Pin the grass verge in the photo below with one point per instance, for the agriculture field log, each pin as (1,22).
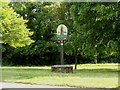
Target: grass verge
(87,76)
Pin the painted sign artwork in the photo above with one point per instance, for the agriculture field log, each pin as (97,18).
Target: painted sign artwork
(62,30)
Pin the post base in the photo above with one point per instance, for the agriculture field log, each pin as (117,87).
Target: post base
(62,68)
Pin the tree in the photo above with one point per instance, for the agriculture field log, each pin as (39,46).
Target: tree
(97,24)
(13,27)
(93,28)
(40,21)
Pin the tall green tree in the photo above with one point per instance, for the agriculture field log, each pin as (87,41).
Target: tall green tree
(97,24)
(40,21)
(13,27)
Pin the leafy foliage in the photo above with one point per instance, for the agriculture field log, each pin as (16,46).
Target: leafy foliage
(14,31)
(97,24)
(93,30)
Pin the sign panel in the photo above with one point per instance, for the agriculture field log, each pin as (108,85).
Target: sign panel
(62,32)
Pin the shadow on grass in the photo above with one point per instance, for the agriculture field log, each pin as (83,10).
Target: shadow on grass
(38,69)
(100,70)
(28,73)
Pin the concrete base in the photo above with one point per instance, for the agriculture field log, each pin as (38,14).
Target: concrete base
(62,68)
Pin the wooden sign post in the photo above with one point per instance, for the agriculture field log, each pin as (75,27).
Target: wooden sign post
(62,37)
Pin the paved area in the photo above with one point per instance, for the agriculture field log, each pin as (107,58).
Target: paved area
(20,85)
(12,86)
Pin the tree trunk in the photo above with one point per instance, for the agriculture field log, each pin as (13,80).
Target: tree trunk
(76,62)
(96,60)
(96,57)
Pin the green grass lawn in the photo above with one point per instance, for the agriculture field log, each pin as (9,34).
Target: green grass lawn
(87,76)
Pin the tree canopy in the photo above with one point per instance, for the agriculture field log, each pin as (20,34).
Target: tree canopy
(96,23)
(93,29)
(14,30)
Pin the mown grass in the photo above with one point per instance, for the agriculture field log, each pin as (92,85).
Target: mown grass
(87,76)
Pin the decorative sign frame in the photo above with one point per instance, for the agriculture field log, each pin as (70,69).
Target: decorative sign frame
(62,32)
